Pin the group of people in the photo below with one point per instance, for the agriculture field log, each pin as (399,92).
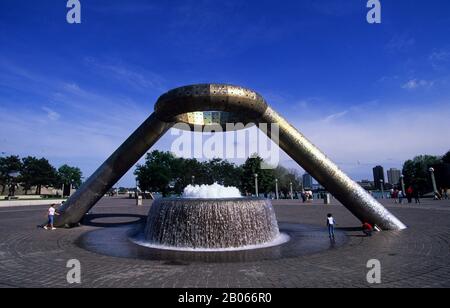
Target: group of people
(367,228)
(443,195)
(410,194)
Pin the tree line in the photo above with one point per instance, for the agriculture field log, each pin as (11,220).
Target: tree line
(165,173)
(31,172)
(417,172)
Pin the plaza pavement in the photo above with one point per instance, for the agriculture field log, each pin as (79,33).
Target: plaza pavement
(416,257)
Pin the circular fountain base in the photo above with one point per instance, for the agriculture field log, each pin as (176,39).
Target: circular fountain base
(121,242)
(182,231)
(211,224)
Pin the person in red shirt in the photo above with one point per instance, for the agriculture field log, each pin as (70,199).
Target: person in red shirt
(367,229)
(409,194)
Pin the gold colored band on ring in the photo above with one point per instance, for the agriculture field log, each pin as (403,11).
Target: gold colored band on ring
(211,105)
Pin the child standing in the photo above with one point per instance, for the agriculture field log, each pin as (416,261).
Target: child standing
(51,217)
(330,224)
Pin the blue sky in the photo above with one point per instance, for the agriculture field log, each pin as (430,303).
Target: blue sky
(365,94)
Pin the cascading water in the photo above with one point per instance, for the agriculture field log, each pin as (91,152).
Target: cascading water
(211,224)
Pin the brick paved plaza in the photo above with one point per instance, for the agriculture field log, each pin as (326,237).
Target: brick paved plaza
(417,257)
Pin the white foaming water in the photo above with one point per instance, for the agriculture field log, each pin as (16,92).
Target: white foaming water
(278,241)
(214,191)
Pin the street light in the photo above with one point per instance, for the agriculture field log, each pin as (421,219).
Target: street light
(433,179)
(292,191)
(276,189)
(256,185)
(402,181)
(137,189)
(382,189)
(193,180)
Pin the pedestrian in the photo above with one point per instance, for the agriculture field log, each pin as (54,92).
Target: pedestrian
(400,197)
(367,229)
(51,217)
(303,194)
(331,224)
(409,194)
(444,194)
(395,196)
(417,196)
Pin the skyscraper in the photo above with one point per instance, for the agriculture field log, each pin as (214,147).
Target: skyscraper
(394,176)
(307,181)
(378,175)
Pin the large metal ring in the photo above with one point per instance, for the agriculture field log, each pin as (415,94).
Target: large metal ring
(211,105)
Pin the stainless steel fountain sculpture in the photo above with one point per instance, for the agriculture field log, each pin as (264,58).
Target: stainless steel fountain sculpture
(232,104)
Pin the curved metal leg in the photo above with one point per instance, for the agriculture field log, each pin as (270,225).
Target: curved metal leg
(111,171)
(349,193)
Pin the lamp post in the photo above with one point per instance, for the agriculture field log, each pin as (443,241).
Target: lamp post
(292,190)
(256,185)
(12,187)
(137,189)
(276,189)
(193,180)
(433,180)
(402,182)
(382,188)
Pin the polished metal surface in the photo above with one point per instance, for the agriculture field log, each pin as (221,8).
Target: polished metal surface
(216,104)
(112,170)
(330,176)
(210,105)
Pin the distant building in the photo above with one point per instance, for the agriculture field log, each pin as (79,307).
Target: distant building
(307,181)
(378,175)
(394,176)
(317,186)
(366,184)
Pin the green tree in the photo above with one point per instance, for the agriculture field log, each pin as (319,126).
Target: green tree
(285,178)
(68,175)
(446,158)
(160,173)
(266,177)
(416,172)
(8,165)
(184,170)
(223,172)
(37,173)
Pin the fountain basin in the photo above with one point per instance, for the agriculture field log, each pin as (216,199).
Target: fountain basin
(211,224)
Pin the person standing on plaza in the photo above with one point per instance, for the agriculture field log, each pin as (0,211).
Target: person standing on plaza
(51,217)
(444,194)
(395,195)
(331,223)
(400,197)
(409,194)
(417,196)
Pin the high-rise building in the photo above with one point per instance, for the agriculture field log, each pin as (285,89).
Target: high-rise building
(378,175)
(394,176)
(307,181)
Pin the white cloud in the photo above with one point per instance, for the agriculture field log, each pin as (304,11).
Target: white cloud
(400,43)
(380,136)
(51,114)
(440,59)
(440,55)
(137,79)
(335,116)
(414,84)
